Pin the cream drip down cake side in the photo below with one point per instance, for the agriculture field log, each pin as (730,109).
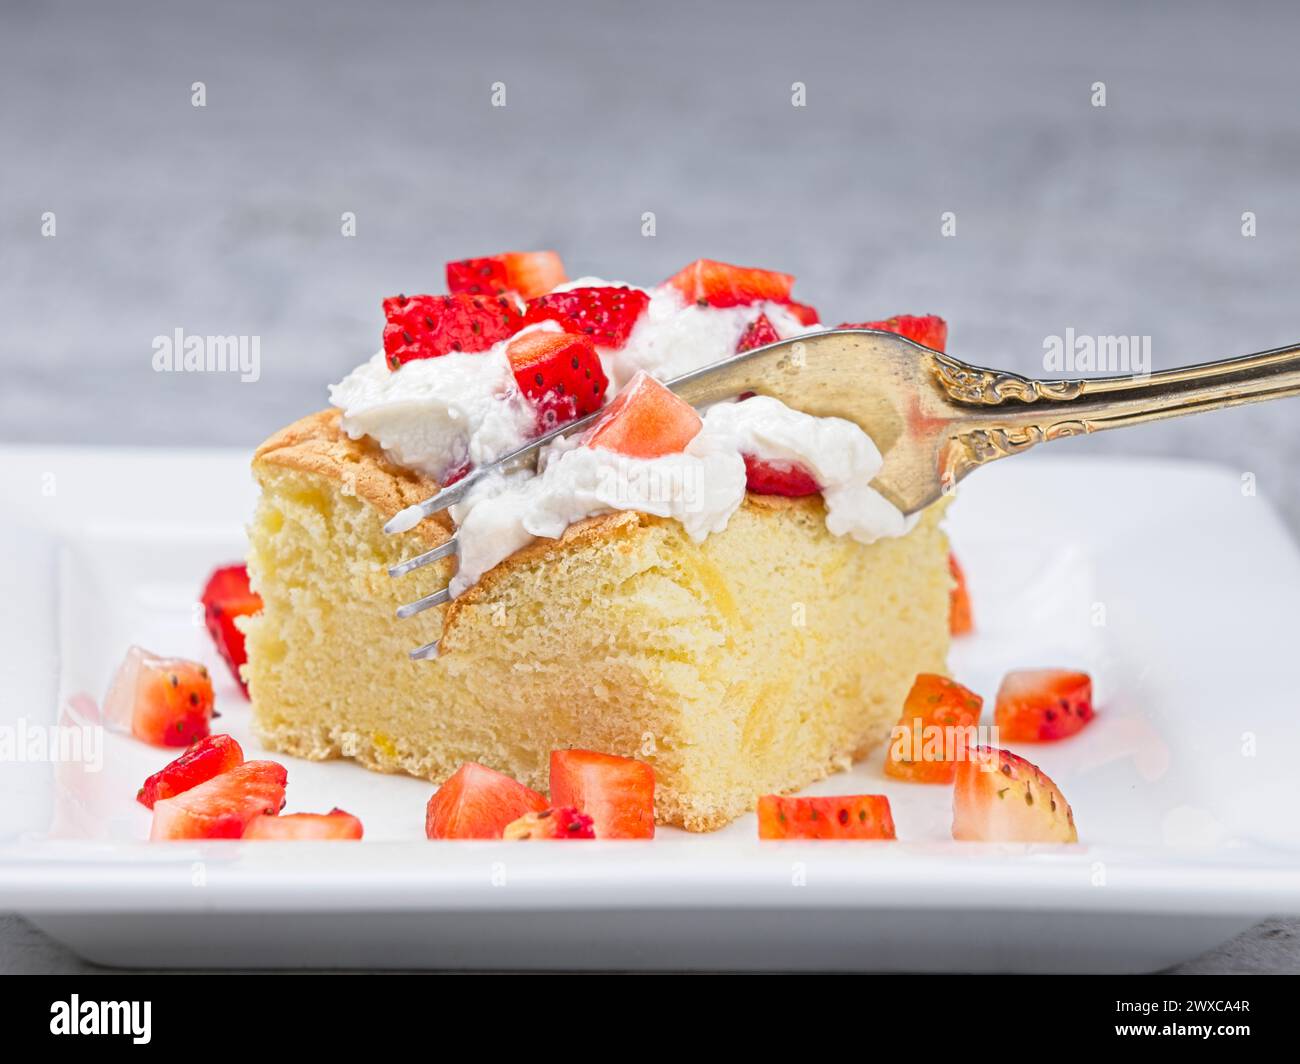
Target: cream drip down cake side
(718,593)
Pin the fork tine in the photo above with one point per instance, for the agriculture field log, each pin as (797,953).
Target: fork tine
(424,653)
(427,602)
(405,520)
(440,551)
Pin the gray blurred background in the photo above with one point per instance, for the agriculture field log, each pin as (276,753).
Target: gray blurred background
(226,219)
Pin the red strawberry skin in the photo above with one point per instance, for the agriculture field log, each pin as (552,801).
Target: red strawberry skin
(803,313)
(560,373)
(1043,705)
(562,823)
(429,326)
(477,803)
(758,333)
(606,315)
(928,330)
(778,478)
(172,703)
(207,758)
(720,284)
(856,816)
(526,273)
(618,793)
(226,596)
(222,807)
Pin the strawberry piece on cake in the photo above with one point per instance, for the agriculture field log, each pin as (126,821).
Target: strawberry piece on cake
(225,597)
(222,807)
(561,374)
(162,701)
(928,330)
(477,803)
(934,730)
(201,762)
(856,816)
(803,313)
(960,619)
(607,314)
(310,827)
(645,420)
(526,273)
(770,477)
(429,326)
(618,793)
(1042,705)
(709,283)
(999,797)
(758,333)
(562,823)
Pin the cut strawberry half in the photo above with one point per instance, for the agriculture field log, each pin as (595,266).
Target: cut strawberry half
(527,273)
(225,597)
(645,420)
(758,333)
(934,731)
(336,824)
(429,326)
(163,701)
(561,374)
(855,816)
(561,823)
(606,315)
(201,762)
(764,477)
(803,313)
(719,284)
(618,793)
(928,330)
(999,797)
(960,620)
(1041,705)
(477,803)
(222,807)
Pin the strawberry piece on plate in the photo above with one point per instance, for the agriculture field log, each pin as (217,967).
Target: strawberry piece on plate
(527,273)
(999,797)
(312,827)
(1040,705)
(855,816)
(607,315)
(960,620)
(561,374)
(562,823)
(201,762)
(429,326)
(477,803)
(934,730)
(803,313)
(928,330)
(764,477)
(645,420)
(758,333)
(719,284)
(163,701)
(222,807)
(225,597)
(618,793)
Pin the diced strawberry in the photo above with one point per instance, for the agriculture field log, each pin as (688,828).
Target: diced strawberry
(758,333)
(719,284)
(805,314)
(527,273)
(562,823)
(207,758)
(335,824)
(606,315)
(225,597)
(163,701)
(933,731)
(928,330)
(855,816)
(645,420)
(222,807)
(764,477)
(1040,705)
(429,326)
(477,803)
(960,620)
(561,374)
(999,797)
(618,793)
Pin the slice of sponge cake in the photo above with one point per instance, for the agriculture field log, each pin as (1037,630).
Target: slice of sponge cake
(760,660)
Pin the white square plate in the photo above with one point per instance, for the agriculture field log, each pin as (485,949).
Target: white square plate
(1172,587)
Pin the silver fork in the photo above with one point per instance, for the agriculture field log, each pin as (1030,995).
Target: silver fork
(935,419)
